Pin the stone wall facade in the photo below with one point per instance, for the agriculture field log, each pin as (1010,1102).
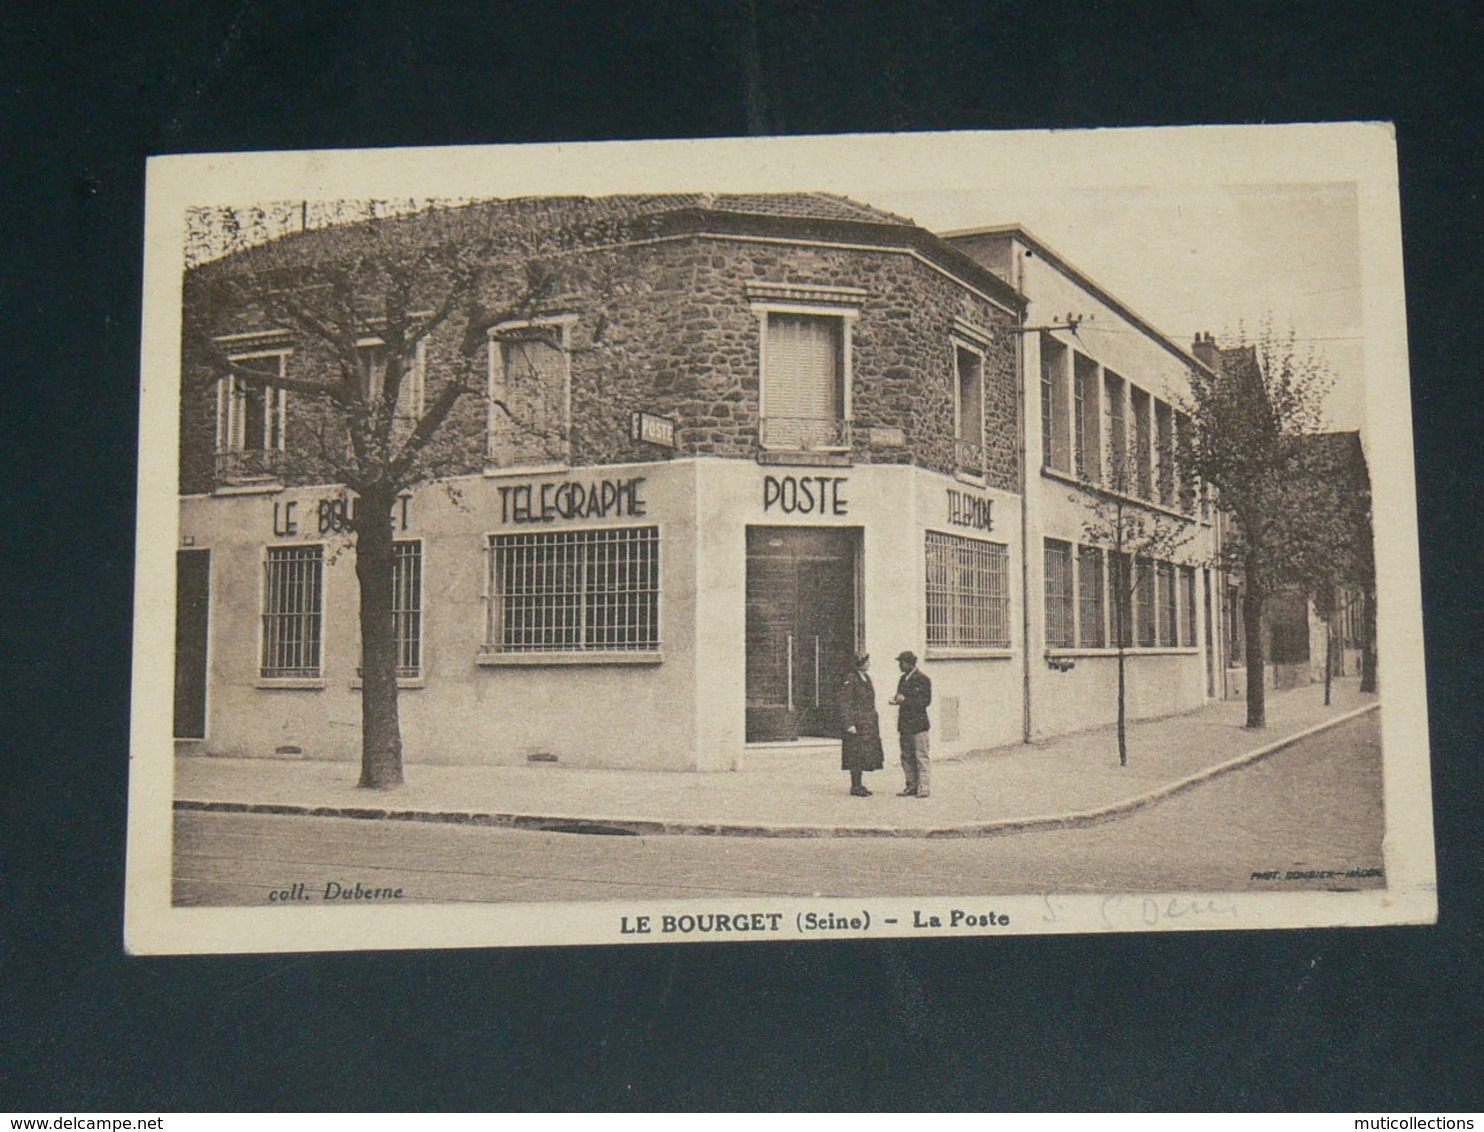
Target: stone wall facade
(661,320)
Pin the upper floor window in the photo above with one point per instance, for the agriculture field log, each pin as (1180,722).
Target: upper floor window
(804,354)
(1143,453)
(1056,433)
(1185,484)
(1115,415)
(968,409)
(1164,453)
(805,391)
(1086,415)
(530,393)
(372,355)
(251,412)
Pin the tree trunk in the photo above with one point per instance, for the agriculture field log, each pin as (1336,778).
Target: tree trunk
(1122,595)
(1252,626)
(1368,644)
(1329,668)
(381,733)
(1122,711)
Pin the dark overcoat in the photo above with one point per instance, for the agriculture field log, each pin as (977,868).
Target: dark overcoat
(862,750)
(916,691)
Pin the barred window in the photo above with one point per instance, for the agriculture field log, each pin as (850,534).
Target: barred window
(407,605)
(1144,604)
(1165,580)
(1090,597)
(1187,606)
(968,592)
(1059,595)
(293,602)
(575,591)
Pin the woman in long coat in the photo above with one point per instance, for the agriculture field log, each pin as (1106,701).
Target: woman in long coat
(860,746)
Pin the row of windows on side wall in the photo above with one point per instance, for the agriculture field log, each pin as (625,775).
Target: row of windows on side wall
(1104,430)
(1097,598)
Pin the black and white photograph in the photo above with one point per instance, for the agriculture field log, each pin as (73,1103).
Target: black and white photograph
(779,538)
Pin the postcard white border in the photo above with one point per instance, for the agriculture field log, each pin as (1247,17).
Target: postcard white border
(1361,153)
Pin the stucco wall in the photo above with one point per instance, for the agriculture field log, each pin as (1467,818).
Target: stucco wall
(586,714)
(686,712)
(1160,681)
(892,507)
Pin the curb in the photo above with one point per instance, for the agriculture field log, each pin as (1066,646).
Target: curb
(641,827)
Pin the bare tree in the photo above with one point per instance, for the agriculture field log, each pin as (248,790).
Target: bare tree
(367,306)
(1331,549)
(1134,538)
(1251,420)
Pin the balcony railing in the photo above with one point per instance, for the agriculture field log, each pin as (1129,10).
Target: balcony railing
(247,465)
(805,434)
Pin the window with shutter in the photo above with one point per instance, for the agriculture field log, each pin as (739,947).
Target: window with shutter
(804,381)
(371,354)
(530,399)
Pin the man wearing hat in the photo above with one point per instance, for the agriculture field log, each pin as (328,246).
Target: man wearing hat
(914,693)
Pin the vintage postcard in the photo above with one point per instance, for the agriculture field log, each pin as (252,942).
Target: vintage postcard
(827,537)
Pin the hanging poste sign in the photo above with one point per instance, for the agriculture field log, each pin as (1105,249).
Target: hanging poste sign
(652,429)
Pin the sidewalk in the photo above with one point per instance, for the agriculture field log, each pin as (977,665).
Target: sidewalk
(1070,780)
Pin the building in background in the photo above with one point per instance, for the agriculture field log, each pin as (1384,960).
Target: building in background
(1329,618)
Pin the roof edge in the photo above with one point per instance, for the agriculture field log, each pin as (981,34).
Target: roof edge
(1082,279)
(884,234)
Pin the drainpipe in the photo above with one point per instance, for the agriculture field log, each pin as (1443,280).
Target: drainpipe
(1025,539)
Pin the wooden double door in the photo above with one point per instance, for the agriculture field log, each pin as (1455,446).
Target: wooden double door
(803,624)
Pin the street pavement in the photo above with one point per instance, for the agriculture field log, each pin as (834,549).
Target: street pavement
(1065,782)
(1308,818)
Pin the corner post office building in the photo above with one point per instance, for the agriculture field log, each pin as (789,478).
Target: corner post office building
(743,439)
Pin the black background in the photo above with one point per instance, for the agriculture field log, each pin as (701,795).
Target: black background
(1349,1019)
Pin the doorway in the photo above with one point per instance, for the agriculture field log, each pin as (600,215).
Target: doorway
(192,606)
(803,624)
